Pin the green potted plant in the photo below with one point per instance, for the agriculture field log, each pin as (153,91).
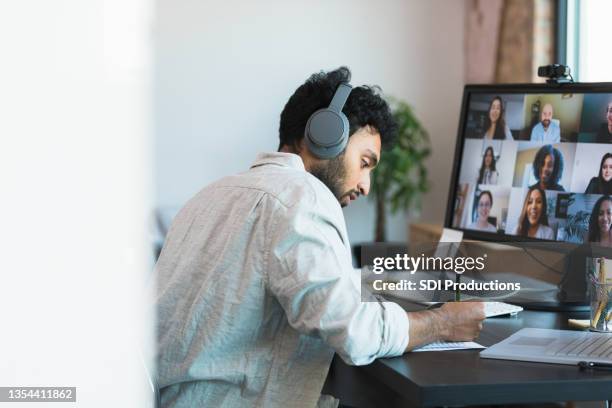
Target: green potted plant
(401,177)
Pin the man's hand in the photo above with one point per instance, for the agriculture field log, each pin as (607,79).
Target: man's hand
(461,321)
(453,322)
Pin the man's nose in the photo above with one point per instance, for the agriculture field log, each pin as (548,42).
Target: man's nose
(364,186)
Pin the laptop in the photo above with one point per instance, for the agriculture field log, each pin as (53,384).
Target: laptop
(553,346)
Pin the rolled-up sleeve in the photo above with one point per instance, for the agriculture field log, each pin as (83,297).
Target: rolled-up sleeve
(309,272)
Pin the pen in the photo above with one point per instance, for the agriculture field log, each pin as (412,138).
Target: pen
(583,365)
(457,290)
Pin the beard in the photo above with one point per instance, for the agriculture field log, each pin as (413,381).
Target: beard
(546,123)
(332,173)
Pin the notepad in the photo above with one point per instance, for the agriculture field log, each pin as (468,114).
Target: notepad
(445,346)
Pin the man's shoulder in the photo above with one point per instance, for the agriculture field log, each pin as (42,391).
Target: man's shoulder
(537,128)
(556,128)
(290,187)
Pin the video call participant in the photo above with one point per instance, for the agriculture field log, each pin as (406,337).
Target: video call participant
(600,222)
(495,122)
(546,131)
(485,202)
(548,168)
(487,173)
(533,221)
(602,184)
(604,135)
(256,289)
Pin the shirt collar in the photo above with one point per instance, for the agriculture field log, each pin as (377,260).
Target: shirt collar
(279,159)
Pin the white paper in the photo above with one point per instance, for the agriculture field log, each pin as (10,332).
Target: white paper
(445,346)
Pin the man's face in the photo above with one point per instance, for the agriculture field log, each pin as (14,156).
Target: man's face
(609,114)
(546,115)
(348,175)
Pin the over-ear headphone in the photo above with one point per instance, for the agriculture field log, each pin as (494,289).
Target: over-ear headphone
(327,130)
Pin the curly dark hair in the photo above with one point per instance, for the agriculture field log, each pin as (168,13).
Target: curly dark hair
(500,125)
(594,233)
(364,107)
(541,157)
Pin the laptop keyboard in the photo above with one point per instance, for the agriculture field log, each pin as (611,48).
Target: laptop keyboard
(587,346)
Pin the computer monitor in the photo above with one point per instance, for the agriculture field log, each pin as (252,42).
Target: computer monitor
(533,163)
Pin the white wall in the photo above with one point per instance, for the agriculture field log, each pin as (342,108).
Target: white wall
(225,70)
(75,106)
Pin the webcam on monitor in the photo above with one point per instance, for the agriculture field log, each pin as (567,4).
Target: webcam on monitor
(555,74)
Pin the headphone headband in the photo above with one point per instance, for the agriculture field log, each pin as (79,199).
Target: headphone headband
(340,97)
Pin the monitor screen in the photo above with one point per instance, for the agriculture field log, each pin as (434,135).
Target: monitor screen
(534,162)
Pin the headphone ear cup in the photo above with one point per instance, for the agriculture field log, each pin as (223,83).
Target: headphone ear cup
(327,133)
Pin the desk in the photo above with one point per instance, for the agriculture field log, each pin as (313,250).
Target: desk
(432,379)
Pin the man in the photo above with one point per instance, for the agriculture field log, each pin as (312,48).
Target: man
(548,168)
(256,290)
(546,131)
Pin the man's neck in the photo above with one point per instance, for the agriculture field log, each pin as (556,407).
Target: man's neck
(286,149)
(306,158)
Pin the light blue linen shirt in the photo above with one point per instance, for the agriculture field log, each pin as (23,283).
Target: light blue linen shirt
(550,135)
(256,291)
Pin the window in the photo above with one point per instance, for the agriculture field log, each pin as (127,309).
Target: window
(586,27)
